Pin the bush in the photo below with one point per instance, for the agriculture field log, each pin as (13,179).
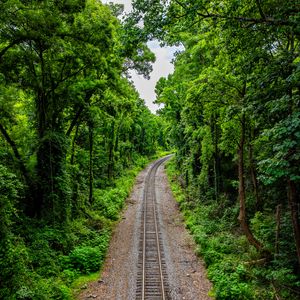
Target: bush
(14,261)
(47,261)
(230,280)
(13,252)
(229,257)
(44,289)
(10,188)
(83,259)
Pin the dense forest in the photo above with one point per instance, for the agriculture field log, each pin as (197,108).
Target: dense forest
(233,110)
(73,134)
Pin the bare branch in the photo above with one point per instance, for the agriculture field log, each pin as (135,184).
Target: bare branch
(270,21)
(260,9)
(13,43)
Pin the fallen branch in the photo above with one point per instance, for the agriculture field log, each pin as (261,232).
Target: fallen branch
(260,261)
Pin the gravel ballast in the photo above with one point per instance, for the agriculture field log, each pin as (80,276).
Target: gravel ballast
(186,273)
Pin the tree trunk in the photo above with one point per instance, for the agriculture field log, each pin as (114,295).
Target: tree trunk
(16,154)
(79,112)
(217,163)
(42,157)
(29,205)
(258,203)
(75,120)
(91,174)
(73,145)
(53,190)
(278,225)
(294,204)
(111,143)
(242,193)
(53,194)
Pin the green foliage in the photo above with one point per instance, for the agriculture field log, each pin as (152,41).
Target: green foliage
(232,105)
(230,281)
(283,139)
(14,262)
(47,262)
(110,202)
(232,263)
(41,288)
(10,187)
(83,260)
(73,134)
(13,252)
(264,228)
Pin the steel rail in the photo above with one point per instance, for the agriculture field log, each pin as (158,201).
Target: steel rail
(149,204)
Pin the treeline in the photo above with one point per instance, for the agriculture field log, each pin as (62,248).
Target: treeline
(71,124)
(233,104)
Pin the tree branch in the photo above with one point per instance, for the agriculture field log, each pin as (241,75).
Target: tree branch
(260,9)
(232,85)
(4,50)
(70,75)
(16,153)
(271,21)
(75,119)
(88,95)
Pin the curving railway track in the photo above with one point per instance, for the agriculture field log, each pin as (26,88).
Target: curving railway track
(145,261)
(152,281)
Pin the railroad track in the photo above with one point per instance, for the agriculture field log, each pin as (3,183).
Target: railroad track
(152,281)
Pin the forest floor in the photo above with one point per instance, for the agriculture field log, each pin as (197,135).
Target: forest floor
(186,273)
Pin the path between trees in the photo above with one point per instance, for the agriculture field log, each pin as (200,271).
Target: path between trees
(186,273)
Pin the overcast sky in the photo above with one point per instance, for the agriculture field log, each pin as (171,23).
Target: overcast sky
(161,68)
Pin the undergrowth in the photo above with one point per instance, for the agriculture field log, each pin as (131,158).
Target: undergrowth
(39,261)
(233,265)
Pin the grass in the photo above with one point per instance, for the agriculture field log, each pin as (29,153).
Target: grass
(82,282)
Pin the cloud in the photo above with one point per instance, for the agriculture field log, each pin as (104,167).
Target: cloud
(161,68)
(153,45)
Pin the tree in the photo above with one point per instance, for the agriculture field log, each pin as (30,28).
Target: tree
(234,99)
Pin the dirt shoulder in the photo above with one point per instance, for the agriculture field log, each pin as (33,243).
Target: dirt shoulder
(186,274)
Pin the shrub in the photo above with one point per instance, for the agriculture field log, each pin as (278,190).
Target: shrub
(230,280)
(84,259)
(230,260)
(46,262)
(14,260)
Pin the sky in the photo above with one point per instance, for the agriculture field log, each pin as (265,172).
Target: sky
(161,68)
